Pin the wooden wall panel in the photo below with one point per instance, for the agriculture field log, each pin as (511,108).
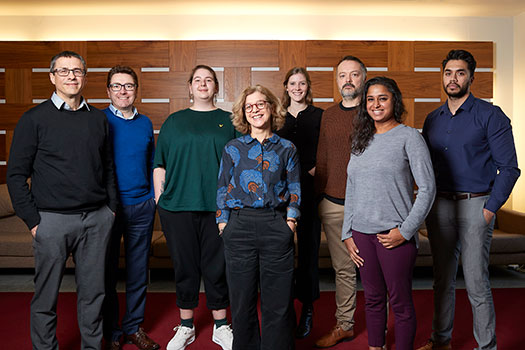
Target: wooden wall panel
(182,55)
(233,61)
(415,85)
(157,112)
(18,85)
(3,147)
(106,54)
(291,54)
(27,54)
(10,113)
(432,53)
(41,86)
(322,84)
(421,110)
(401,56)
(236,80)
(271,80)
(2,85)
(164,85)
(238,53)
(323,53)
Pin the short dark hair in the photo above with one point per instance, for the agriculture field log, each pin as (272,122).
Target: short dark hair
(66,54)
(364,127)
(297,70)
(353,58)
(123,70)
(462,55)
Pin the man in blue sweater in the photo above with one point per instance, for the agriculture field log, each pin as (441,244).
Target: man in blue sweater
(133,150)
(63,146)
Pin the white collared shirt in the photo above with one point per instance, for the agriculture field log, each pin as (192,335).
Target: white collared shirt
(60,103)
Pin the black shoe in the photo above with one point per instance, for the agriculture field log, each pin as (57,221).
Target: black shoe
(305,322)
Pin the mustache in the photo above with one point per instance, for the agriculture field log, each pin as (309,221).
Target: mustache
(349,85)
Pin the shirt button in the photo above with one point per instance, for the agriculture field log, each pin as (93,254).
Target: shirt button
(448,132)
(446,148)
(260,198)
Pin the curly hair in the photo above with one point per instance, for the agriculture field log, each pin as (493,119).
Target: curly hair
(364,127)
(286,97)
(278,113)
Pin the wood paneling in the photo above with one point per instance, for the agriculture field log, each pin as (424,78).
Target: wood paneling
(10,113)
(235,53)
(401,56)
(164,85)
(27,54)
(271,80)
(18,85)
(236,80)
(421,110)
(432,53)
(183,55)
(129,53)
(2,85)
(3,147)
(415,84)
(325,53)
(322,84)
(291,54)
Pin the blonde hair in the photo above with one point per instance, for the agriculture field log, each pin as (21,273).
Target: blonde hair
(278,113)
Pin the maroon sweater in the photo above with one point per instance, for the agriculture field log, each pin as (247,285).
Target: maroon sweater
(333,150)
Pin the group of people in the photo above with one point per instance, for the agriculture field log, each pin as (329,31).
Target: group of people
(233,190)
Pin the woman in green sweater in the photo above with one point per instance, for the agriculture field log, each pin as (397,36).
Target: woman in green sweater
(186,165)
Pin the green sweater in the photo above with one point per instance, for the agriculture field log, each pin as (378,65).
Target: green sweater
(189,147)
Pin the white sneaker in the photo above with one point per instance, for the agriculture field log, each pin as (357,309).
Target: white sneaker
(223,336)
(182,338)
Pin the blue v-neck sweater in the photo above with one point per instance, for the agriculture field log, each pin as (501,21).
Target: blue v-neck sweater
(133,152)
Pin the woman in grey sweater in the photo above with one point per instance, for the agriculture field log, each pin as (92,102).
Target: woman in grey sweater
(381,217)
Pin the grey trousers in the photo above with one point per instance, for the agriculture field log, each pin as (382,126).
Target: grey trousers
(85,236)
(454,228)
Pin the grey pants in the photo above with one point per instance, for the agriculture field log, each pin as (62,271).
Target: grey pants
(85,236)
(454,228)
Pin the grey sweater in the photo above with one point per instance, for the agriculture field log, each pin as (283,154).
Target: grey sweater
(380,184)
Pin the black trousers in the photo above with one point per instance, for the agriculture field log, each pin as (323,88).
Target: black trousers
(308,242)
(196,251)
(259,251)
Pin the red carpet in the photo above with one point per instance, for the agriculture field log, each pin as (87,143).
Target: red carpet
(162,315)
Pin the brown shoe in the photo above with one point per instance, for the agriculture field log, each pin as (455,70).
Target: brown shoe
(336,335)
(114,345)
(141,340)
(430,345)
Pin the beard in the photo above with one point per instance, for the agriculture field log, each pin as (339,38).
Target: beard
(353,94)
(463,90)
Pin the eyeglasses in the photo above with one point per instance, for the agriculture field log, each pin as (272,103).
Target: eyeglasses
(117,87)
(259,104)
(64,72)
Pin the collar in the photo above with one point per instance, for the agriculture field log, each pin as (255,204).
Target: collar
(466,106)
(120,114)
(248,139)
(60,103)
(347,109)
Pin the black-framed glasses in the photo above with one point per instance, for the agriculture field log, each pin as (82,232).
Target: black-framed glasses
(259,104)
(117,87)
(64,72)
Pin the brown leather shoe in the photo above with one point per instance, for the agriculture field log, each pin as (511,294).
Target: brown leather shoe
(114,345)
(430,345)
(336,335)
(141,340)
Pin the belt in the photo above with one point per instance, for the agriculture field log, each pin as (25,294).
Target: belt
(456,196)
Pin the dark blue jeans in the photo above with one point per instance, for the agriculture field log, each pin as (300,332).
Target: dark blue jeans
(135,223)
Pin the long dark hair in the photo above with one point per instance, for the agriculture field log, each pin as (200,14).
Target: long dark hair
(364,127)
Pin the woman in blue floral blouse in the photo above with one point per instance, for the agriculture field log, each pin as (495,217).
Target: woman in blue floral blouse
(258,199)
